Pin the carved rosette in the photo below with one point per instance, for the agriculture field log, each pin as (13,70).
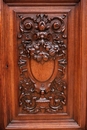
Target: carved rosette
(42,38)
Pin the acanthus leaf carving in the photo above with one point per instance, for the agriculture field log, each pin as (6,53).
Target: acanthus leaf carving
(42,38)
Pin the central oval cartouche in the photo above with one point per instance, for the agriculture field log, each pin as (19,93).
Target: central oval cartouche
(42,72)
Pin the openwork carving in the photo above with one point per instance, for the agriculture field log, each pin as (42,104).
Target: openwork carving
(42,38)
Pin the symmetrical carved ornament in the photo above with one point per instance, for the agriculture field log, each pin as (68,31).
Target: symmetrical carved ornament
(42,39)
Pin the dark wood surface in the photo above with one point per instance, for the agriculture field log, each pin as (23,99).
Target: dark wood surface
(17,21)
(42,1)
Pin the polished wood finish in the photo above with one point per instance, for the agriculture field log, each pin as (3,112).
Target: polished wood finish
(74,114)
(41,1)
(42,62)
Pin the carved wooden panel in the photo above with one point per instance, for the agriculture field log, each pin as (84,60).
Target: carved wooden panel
(42,61)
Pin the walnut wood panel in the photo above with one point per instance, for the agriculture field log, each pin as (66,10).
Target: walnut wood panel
(42,50)
(37,30)
(73,116)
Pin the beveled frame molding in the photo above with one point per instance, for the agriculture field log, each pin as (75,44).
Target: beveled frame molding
(41,1)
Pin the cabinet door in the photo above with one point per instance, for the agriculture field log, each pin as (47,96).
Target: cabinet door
(43,54)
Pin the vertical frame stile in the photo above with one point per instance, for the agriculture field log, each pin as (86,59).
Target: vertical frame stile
(83,53)
(7,65)
(1,66)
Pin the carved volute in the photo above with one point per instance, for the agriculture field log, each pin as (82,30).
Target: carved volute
(42,62)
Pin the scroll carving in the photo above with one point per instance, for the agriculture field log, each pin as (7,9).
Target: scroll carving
(42,38)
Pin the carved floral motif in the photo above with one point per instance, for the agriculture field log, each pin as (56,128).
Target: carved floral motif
(42,38)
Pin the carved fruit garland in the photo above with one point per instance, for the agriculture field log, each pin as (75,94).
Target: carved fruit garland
(42,39)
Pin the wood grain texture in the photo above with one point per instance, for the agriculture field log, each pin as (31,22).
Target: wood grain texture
(1,70)
(83,31)
(77,63)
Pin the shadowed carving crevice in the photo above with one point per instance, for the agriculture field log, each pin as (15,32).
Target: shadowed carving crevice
(43,39)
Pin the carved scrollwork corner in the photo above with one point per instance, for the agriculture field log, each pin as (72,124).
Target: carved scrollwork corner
(42,38)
